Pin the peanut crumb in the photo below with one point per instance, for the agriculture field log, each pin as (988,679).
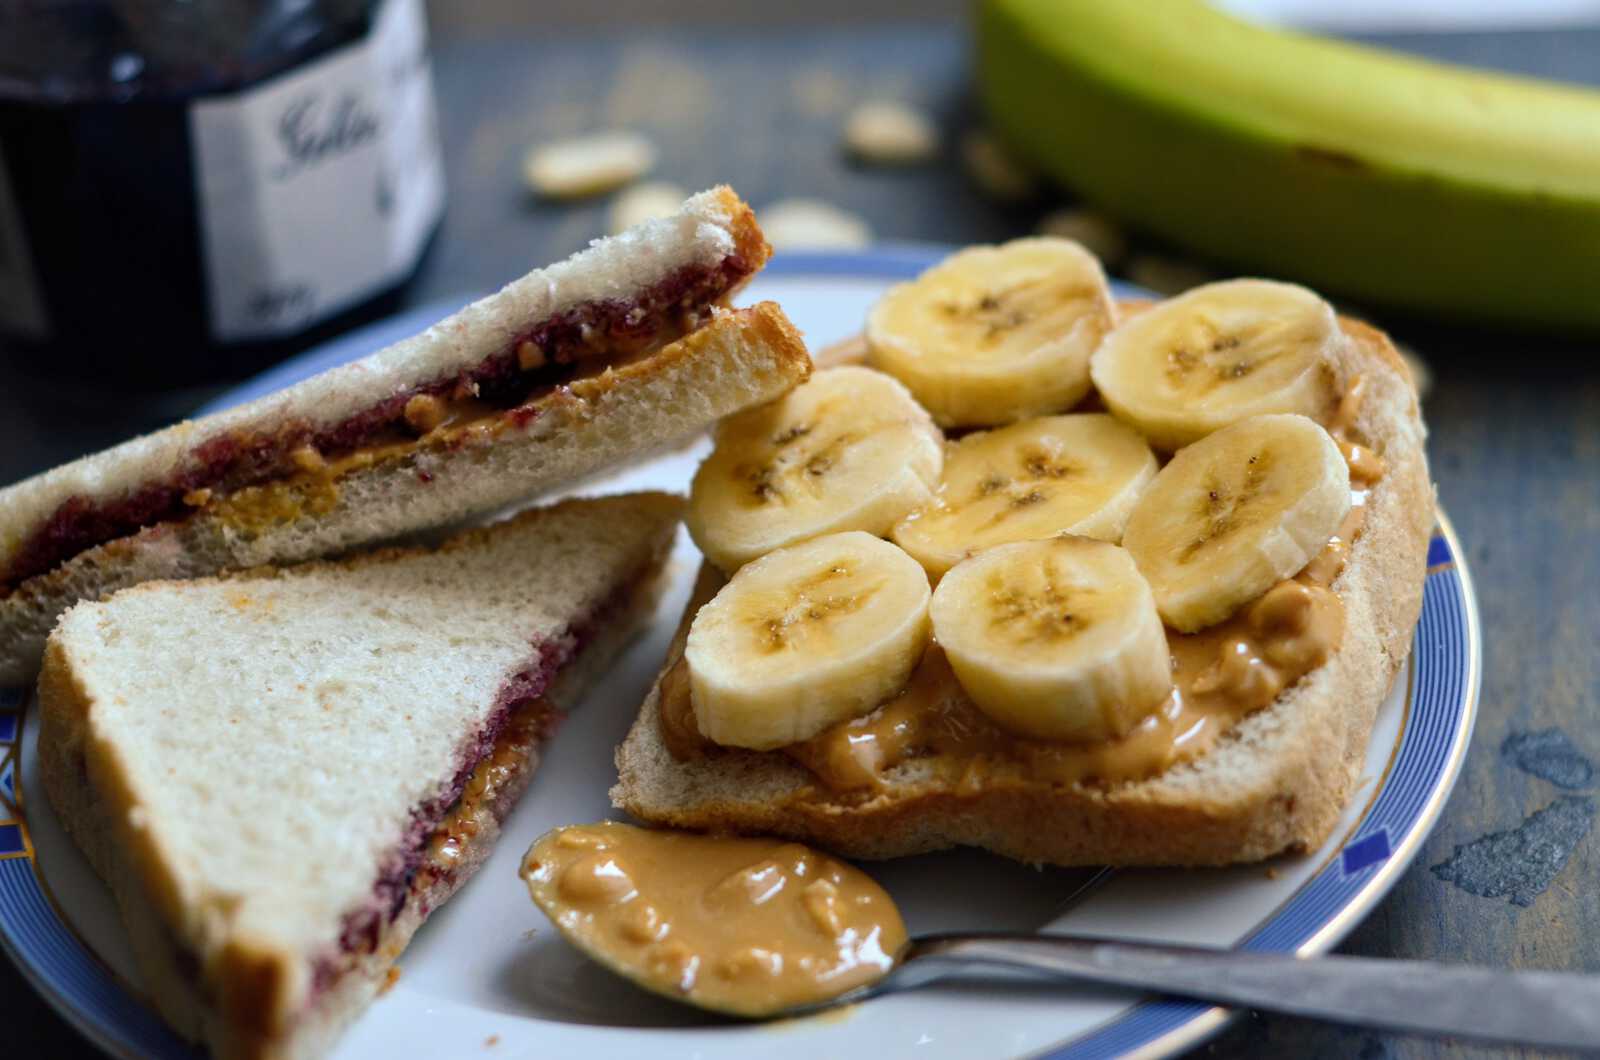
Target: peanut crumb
(888,133)
(1166,275)
(644,202)
(424,412)
(197,498)
(811,224)
(588,165)
(995,170)
(1272,872)
(529,356)
(1098,234)
(491,1041)
(307,459)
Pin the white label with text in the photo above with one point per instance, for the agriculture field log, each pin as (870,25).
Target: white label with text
(319,188)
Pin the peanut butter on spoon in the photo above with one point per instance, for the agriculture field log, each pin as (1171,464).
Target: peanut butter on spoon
(748,927)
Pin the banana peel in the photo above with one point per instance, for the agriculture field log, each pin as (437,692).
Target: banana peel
(1431,189)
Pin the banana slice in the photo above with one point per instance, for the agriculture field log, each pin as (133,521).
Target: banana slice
(1077,474)
(993,335)
(849,449)
(804,638)
(1217,354)
(1236,512)
(1055,639)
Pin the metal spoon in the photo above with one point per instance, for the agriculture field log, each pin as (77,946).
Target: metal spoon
(1552,1009)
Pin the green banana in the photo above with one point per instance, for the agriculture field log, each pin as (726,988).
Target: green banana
(1432,189)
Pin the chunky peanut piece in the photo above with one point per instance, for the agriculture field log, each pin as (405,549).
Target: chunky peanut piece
(748,926)
(424,412)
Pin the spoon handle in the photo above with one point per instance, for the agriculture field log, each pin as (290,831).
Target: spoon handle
(1553,1009)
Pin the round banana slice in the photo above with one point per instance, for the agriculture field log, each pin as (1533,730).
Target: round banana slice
(1075,474)
(849,449)
(993,335)
(804,638)
(1217,354)
(1055,639)
(1236,512)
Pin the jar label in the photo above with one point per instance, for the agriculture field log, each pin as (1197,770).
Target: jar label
(320,187)
(22,311)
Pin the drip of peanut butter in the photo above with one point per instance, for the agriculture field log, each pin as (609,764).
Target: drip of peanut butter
(745,926)
(1366,466)
(1221,675)
(474,810)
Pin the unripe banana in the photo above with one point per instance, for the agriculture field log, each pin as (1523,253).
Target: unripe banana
(1236,512)
(849,449)
(993,335)
(1387,178)
(804,638)
(1074,474)
(1218,354)
(1055,639)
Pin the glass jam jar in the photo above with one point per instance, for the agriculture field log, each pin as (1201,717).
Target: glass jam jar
(192,189)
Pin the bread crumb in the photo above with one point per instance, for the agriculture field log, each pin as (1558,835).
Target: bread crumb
(1166,275)
(391,977)
(1272,872)
(811,224)
(491,1041)
(886,133)
(646,202)
(995,169)
(1099,235)
(588,165)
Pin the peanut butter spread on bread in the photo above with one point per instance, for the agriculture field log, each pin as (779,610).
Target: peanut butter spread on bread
(1221,675)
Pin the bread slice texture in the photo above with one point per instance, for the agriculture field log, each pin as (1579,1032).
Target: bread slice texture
(741,358)
(155,507)
(1276,782)
(267,768)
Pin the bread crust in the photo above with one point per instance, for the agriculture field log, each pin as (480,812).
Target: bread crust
(1278,781)
(742,358)
(706,231)
(242,999)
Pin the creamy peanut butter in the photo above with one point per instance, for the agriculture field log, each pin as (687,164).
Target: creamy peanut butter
(473,811)
(1220,675)
(745,926)
(428,421)
(1366,466)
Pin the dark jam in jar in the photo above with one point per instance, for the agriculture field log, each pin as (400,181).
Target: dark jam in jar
(191,190)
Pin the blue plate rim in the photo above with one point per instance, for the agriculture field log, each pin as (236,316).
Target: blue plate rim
(1301,924)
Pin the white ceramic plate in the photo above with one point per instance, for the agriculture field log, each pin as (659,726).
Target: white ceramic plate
(487,976)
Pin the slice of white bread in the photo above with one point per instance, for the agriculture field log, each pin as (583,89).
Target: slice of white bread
(589,423)
(1278,781)
(741,358)
(258,764)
